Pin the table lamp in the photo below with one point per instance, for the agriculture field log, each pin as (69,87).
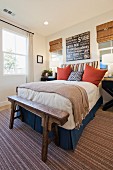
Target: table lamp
(54,65)
(108,60)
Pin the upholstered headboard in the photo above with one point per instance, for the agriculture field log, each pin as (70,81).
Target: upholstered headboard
(81,66)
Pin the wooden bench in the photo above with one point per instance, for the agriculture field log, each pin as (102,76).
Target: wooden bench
(51,118)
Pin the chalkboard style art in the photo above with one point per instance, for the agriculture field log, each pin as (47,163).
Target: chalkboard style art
(78,47)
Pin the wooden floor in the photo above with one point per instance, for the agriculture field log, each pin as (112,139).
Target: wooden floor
(5,107)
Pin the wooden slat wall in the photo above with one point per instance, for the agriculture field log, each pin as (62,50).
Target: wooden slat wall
(55,45)
(105,32)
(81,66)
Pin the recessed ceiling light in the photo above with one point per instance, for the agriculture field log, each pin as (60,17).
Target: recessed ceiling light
(46,23)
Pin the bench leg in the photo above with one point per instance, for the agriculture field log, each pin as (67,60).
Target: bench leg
(56,135)
(45,139)
(12,115)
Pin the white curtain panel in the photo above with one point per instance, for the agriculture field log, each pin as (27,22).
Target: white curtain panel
(30,64)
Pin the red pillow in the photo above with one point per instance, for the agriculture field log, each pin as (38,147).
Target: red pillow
(93,75)
(63,73)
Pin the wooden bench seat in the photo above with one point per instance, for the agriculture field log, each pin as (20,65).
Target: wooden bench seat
(51,118)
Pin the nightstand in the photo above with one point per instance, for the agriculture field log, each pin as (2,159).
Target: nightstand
(47,78)
(107,85)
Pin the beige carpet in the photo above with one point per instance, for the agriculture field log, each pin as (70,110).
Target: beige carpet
(20,148)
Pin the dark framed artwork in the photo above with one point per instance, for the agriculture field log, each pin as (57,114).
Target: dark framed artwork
(39,59)
(78,47)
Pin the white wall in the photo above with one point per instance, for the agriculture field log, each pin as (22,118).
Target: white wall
(8,83)
(39,48)
(89,25)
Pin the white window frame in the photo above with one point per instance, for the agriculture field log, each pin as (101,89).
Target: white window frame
(56,58)
(107,48)
(26,56)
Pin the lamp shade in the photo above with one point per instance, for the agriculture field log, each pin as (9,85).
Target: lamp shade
(110,70)
(107,59)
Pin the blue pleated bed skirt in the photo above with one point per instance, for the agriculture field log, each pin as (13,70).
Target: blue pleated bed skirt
(68,139)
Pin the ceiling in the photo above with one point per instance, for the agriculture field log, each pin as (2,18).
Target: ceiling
(59,13)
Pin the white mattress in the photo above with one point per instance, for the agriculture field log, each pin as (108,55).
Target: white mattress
(60,102)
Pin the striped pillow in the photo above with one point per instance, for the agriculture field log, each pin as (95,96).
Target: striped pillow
(75,76)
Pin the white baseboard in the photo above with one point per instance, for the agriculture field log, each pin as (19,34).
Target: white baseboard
(4,103)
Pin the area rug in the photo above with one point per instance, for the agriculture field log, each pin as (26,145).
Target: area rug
(20,147)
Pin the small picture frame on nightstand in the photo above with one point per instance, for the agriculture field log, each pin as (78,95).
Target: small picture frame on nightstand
(39,59)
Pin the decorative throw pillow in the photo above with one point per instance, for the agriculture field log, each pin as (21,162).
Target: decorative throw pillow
(75,76)
(93,75)
(63,73)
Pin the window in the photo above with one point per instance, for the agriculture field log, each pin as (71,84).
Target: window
(105,48)
(56,60)
(14,53)
(56,57)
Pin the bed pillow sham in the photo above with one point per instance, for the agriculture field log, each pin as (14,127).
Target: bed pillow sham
(93,75)
(75,76)
(63,73)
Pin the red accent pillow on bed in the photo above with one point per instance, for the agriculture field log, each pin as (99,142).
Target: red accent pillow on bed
(93,75)
(63,73)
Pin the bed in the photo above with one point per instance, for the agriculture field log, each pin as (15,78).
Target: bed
(69,134)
